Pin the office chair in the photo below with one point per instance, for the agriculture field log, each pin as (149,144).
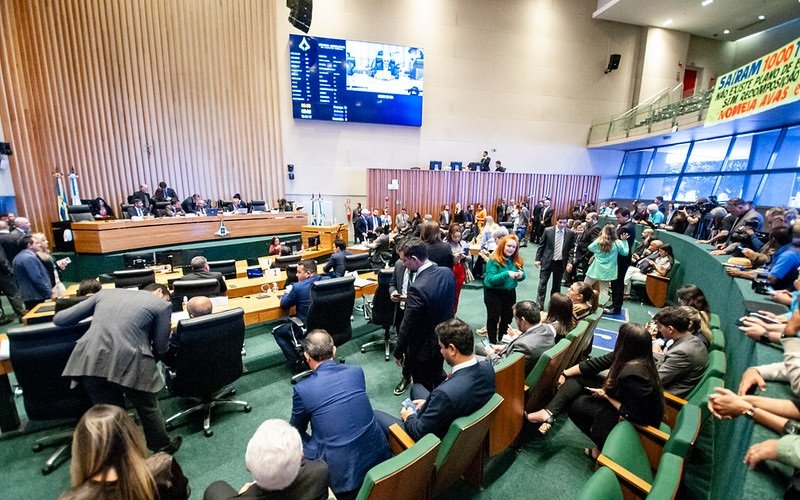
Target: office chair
(291,275)
(357,262)
(130,278)
(383,313)
(39,354)
(283,261)
(67,302)
(208,359)
(331,308)
(185,290)
(80,213)
(123,210)
(258,206)
(226,267)
(159,208)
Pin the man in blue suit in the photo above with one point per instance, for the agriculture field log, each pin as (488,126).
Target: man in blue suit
(300,297)
(470,385)
(336,265)
(34,284)
(334,401)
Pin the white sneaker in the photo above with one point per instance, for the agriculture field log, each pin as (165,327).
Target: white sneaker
(482,331)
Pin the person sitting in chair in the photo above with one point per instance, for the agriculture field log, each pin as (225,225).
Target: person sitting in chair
(201,271)
(336,266)
(287,335)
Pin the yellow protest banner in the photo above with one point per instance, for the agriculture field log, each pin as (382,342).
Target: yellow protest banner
(768,82)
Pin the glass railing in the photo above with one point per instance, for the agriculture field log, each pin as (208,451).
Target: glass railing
(659,113)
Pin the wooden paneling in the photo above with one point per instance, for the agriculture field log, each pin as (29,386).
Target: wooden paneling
(426,191)
(131,91)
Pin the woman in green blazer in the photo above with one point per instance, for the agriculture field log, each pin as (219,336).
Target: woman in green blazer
(503,272)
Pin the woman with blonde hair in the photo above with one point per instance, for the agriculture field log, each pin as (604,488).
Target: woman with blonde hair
(108,461)
(503,271)
(603,264)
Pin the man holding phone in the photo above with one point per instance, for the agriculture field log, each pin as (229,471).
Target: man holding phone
(532,338)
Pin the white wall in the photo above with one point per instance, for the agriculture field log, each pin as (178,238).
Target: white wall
(522,77)
(754,46)
(664,61)
(711,57)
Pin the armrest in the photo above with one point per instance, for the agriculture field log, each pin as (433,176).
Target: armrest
(652,433)
(653,440)
(672,407)
(399,440)
(673,400)
(658,277)
(297,321)
(631,481)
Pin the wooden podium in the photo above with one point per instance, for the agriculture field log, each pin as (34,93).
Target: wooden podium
(327,235)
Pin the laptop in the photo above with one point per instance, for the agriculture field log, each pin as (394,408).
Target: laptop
(255,272)
(212,211)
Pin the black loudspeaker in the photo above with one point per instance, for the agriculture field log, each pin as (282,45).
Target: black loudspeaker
(290,169)
(5,148)
(300,14)
(613,62)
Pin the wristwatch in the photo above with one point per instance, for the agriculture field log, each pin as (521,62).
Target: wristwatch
(749,412)
(765,337)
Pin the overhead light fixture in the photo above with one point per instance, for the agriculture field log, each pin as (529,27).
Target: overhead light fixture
(668,22)
(709,2)
(726,32)
(761,18)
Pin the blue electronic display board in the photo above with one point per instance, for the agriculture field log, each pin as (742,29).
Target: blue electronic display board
(354,81)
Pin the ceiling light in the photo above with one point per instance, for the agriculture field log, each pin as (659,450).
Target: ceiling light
(668,22)
(725,32)
(761,18)
(707,2)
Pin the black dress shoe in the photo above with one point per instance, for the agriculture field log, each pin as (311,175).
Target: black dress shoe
(611,311)
(404,384)
(173,446)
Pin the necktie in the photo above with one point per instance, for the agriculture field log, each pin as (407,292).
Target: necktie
(559,243)
(411,276)
(139,212)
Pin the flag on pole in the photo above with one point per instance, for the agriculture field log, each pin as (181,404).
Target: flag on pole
(313,211)
(61,197)
(75,194)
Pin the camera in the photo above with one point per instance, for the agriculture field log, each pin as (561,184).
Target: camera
(761,284)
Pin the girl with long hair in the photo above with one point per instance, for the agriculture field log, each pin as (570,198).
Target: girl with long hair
(504,271)
(109,461)
(559,314)
(692,296)
(581,296)
(631,390)
(460,249)
(603,264)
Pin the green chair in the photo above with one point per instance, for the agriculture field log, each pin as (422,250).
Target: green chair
(677,440)
(584,347)
(657,287)
(717,340)
(410,472)
(714,321)
(715,371)
(462,451)
(541,381)
(507,420)
(576,336)
(603,485)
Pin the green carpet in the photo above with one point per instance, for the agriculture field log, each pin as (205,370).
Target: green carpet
(552,466)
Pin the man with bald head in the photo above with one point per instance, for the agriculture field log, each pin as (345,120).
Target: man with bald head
(199,306)
(11,241)
(142,194)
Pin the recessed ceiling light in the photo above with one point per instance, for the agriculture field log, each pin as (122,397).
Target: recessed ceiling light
(667,22)
(761,18)
(726,32)
(709,2)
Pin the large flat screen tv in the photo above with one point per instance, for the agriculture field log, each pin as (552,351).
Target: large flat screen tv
(353,81)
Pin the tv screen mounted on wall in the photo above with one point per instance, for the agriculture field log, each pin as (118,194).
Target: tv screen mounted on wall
(354,81)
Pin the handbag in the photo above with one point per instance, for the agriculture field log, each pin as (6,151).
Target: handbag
(468,276)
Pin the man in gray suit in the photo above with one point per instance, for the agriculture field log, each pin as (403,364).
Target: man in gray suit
(532,338)
(554,256)
(201,271)
(680,364)
(117,356)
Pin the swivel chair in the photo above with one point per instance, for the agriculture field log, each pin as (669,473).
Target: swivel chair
(258,206)
(283,261)
(159,208)
(67,302)
(226,267)
(207,360)
(80,213)
(130,278)
(39,354)
(357,262)
(331,308)
(185,290)
(291,275)
(123,210)
(383,313)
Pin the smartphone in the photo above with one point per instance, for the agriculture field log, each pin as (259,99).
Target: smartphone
(764,318)
(409,404)
(486,343)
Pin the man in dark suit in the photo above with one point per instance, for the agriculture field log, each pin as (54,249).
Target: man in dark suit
(274,458)
(361,226)
(680,365)
(138,209)
(34,284)
(502,211)
(336,265)
(168,193)
(201,271)
(398,291)
(8,286)
(532,338)
(444,217)
(582,253)
(470,385)
(554,256)
(333,400)
(287,334)
(117,356)
(486,162)
(142,194)
(11,240)
(536,222)
(625,231)
(430,300)
(193,204)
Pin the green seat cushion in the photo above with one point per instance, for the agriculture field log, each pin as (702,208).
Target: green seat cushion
(602,485)
(668,478)
(624,447)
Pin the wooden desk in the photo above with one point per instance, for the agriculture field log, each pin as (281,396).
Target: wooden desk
(327,234)
(123,234)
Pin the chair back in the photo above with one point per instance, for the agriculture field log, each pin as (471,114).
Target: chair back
(67,302)
(39,354)
(463,444)
(542,380)
(258,206)
(410,472)
(383,309)
(685,432)
(624,447)
(509,375)
(717,340)
(602,485)
(209,353)
(674,276)
(331,307)
(667,481)
(357,262)
(716,368)
(123,209)
(134,278)
(291,275)
(283,261)
(80,213)
(577,337)
(584,349)
(226,267)
(160,208)
(192,288)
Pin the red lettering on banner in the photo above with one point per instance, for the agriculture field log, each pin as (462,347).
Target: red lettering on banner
(774,97)
(797,89)
(737,109)
(778,57)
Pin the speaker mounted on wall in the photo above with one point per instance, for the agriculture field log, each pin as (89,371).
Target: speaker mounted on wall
(290,169)
(5,148)
(300,14)
(613,63)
